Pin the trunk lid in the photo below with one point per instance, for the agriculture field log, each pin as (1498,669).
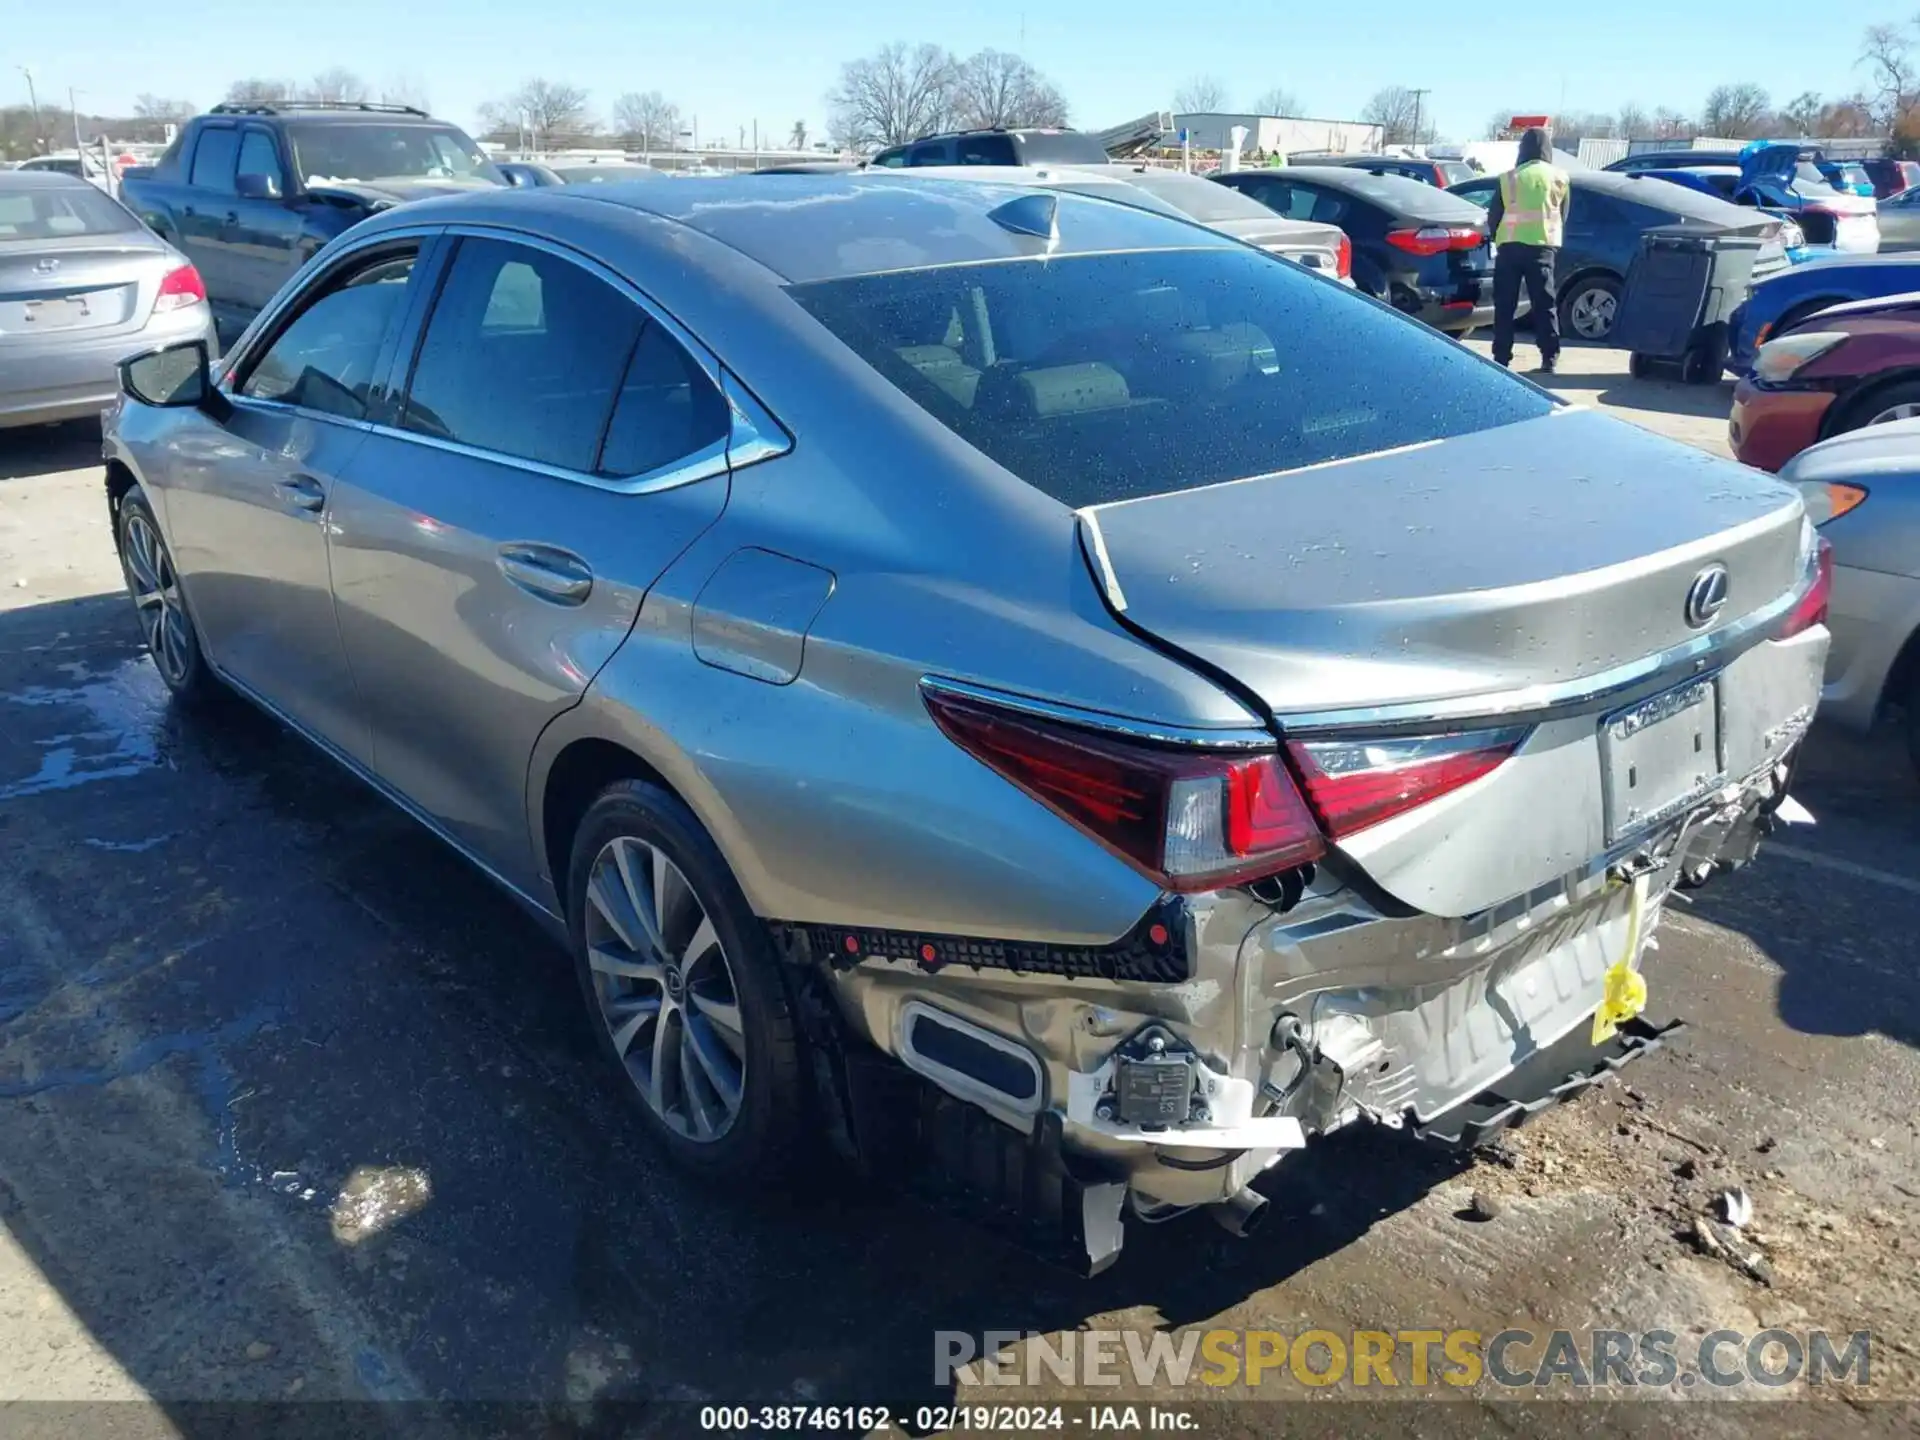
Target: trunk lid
(85,284)
(1534,554)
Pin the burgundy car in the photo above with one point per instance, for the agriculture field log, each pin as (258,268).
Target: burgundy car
(1852,365)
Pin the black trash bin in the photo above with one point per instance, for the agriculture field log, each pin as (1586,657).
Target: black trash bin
(1682,290)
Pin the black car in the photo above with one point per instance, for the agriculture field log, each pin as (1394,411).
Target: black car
(251,192)
(1672,160)
(998,147)
(1440,173)
(1607,214)
(1415,246)
(529,174)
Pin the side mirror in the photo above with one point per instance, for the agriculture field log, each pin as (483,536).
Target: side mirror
(250,186)
(175,377)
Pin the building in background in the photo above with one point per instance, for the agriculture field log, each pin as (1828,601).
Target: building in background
(1285,133)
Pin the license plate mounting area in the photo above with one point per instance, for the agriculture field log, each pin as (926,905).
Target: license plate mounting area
(1659,756)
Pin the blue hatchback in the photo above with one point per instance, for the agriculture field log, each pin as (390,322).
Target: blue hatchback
(1792,295)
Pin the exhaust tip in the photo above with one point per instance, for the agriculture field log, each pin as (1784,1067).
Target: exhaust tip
(1241,1214)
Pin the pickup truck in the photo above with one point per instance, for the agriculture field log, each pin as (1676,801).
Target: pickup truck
(250,192)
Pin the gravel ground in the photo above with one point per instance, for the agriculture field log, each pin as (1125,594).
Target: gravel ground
(292,1104)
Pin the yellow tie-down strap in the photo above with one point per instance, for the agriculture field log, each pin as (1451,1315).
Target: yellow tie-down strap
(1625,995)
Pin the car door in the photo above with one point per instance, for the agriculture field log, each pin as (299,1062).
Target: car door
(264,235)
(556,447)
(204,206)
(1900,221)
(250,506)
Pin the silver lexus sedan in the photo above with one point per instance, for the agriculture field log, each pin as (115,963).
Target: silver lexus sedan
(83,284)
(1067,705)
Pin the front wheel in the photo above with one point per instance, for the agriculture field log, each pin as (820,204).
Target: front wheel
(1588,310)
(154,584)
(1883,407)
(683,988)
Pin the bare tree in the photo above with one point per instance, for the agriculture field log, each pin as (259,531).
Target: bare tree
(994,88)
(1670,124)
(1885,53)
(647,120)
(1202,95)
(159,107)
(1570,128)
(1848,119)
(1396,110)
(894,95)
(1277,101)
(797,137)
(258,92)
(547,109)
(1632,123)
(337,84)
(405,88)
(1737,112)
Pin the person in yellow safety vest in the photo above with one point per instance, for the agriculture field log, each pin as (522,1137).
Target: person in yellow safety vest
(1528,221)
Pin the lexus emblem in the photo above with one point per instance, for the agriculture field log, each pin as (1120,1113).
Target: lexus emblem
(46,267)
(1707,596)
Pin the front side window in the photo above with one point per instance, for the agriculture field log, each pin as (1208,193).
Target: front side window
(325,359)
(259,157)
(524,356)
(213,158)
(1104,377)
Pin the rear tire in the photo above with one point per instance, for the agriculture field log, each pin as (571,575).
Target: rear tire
(682,987)
(1589,309)
(173,641)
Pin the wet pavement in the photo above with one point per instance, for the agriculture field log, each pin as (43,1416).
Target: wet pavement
(293,1104)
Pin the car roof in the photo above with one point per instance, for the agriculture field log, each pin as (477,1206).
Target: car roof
(826,227)
(1415,199)
(1681,200)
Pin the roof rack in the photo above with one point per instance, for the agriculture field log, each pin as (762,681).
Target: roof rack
(277,107)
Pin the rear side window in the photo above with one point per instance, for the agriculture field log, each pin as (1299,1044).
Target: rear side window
(523,356)
(214,157)
(984,150)
(667,409)
(1104,377)
(938,153)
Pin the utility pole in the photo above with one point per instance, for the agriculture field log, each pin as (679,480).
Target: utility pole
(1418,96)
(74,110)
(33,101)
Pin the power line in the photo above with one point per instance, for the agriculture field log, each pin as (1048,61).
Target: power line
(1418,96)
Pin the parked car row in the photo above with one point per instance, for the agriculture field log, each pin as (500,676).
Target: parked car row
(1833,204)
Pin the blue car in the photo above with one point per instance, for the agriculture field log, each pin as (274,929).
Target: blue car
(1724,181)
(1792,295)
(1781,176)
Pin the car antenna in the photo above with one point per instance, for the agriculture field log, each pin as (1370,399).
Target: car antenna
(1036,215)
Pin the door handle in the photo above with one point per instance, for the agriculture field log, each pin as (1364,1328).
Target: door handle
(233,217)
(547,573)
(302,491)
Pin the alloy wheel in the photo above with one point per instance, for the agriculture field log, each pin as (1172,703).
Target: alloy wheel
(665,989)
(1907,411)
(1592,313)
(156,596)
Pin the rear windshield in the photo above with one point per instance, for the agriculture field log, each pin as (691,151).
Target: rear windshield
(1069,147)
(1200,199)
(1104,377)
(1397,195)
(339,151)
(53,212)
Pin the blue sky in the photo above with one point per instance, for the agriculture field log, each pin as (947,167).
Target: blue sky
(733,62)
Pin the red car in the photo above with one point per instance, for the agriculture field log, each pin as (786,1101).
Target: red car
(1852,365)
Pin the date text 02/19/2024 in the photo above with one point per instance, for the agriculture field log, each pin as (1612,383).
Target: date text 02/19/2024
(931,1419)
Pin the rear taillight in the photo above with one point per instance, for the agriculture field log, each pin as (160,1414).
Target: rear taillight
(1193,819)
(1343,257)
(180,288)
(1187,819)
(1811,608)
(1354,783)
(1435,239)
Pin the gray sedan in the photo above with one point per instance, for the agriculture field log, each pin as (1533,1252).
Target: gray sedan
(83,284)
(1074,706)
(1863,490)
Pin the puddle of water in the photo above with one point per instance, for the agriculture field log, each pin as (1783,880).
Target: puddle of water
(125,709)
